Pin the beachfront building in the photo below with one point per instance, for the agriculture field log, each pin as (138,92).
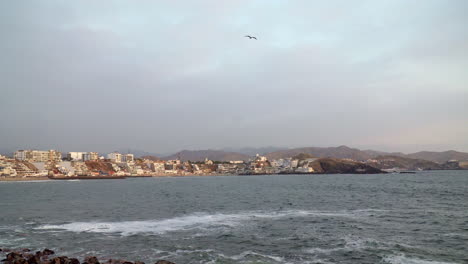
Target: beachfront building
(75,156)
(260,158)
(38,155)
(115,157)
(92,156)
(21,154)
(128,158)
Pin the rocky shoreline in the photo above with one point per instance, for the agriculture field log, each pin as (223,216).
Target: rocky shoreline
(47,256)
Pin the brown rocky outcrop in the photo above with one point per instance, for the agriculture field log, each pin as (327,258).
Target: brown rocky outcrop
(23,256)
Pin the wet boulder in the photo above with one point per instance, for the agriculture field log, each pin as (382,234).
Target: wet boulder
(74,261)
(14,258)
(60,260)
(47,252)
(33,259)
(91,260)
(164,262)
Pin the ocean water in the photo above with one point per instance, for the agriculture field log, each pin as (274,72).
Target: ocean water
(390,218)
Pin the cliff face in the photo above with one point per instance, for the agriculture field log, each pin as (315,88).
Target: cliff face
(330,165)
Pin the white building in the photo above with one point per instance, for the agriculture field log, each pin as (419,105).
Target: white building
(21,154)
(260,158)
(38,155)
(294,163)
(76,156)
(90,156)
(115,157)
(128,158)
(158,167)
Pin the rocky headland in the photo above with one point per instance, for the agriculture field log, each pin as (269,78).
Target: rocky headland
(47,256)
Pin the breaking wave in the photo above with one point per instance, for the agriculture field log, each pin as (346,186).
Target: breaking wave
(402,259)
(194,221)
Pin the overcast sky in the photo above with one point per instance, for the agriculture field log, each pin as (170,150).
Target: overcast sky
(163,76)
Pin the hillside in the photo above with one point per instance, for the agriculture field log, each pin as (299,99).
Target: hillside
(439,157)
(341,152)
(153,158)
(253,151)
(404,163)
(200,155)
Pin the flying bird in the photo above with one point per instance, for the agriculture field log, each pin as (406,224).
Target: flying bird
(250,37)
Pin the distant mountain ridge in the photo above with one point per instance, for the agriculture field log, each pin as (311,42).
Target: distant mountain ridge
(440,157)
(340,152)
(253,151)
(389,162)
(200,155)
(344,152)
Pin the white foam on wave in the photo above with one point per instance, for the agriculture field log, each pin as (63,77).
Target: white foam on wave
(402,259)
(190,222)
(352,243)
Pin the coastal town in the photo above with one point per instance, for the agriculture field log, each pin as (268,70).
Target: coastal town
(57,165)
(31,163)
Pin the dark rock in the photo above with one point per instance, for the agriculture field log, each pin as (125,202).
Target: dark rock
(164,262)
(92,260)
(48,252)
(12,256)
(117,261)
(74,261)
(60,260)
(139,262)
(26,250)
(33,259)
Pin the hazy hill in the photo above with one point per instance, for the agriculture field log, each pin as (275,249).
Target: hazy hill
(304,156)
(138,152)
(253,151)
(200,155)
(153,158)
(390,162)
(440,157)
(344,152)
(341,152)
(376,153)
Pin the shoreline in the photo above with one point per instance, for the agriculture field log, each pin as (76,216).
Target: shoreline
(45,178)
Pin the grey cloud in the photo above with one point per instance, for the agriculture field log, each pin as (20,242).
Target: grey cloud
(162,76)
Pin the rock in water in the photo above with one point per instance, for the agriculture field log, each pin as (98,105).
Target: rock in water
(164,262)
(48,252)
(91,260)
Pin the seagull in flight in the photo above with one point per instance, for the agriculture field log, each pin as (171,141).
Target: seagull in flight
(250,37)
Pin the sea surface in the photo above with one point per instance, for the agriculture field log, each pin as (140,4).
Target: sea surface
(388,218)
